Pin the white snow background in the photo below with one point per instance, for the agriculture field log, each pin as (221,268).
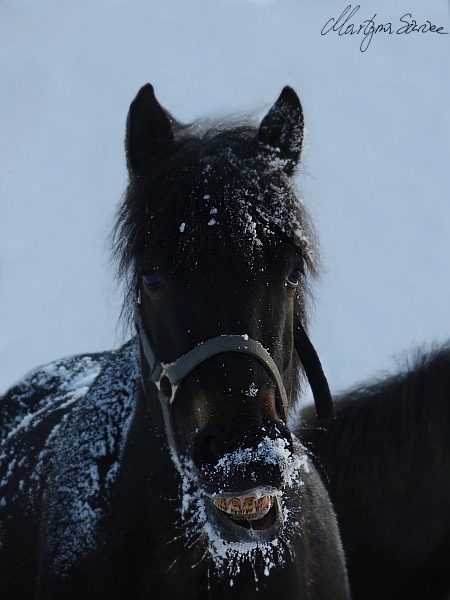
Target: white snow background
(376,167)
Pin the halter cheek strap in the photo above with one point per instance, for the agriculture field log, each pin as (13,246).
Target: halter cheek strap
(314,372)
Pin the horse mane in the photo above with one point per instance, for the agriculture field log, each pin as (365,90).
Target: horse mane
(389,433)
(213,173)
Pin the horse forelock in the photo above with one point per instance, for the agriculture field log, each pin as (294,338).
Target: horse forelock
(215,190)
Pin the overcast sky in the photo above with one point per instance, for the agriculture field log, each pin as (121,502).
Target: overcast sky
(376,169)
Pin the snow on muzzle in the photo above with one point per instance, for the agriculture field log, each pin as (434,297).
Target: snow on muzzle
(241,458)
(244,480)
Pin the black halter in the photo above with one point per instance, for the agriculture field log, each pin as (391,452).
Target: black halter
(167,377)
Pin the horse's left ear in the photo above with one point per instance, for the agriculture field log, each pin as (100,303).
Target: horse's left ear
(150,130)
(281,130)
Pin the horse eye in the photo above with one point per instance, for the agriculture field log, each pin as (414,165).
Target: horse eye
(152,282)
(293,279)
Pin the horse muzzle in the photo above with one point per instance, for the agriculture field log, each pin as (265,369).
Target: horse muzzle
(242,475)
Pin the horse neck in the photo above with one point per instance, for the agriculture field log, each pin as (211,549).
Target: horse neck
(408,415)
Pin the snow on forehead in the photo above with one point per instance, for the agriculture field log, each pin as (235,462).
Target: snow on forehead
(261,200)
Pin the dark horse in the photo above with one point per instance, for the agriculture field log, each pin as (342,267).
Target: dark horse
(386,463)
(166,469)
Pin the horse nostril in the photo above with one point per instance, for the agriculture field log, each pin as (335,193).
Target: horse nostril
(205,451)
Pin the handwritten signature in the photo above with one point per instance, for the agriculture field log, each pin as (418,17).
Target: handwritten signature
(368,28)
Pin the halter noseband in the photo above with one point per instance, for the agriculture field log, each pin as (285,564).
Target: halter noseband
(167,376)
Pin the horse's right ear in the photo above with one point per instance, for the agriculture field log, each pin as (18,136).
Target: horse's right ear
(149,129)
(281,130)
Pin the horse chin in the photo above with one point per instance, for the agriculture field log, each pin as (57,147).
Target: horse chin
(257,519)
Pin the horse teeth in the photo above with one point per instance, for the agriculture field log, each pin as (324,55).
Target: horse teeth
(245,506)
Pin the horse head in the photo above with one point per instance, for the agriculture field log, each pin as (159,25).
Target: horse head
(218,248)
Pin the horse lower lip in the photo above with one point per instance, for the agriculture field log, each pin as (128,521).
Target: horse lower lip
(247,507)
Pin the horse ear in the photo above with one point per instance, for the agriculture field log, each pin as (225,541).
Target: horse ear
(149,129)
(281,130)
